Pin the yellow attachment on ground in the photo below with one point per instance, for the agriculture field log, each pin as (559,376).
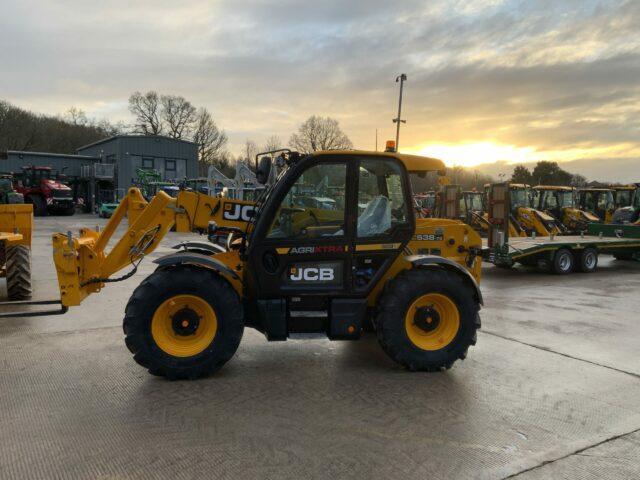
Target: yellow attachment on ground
(432,321)
(184,325)
(16,223)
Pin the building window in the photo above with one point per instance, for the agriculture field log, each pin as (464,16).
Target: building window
(147,162)
(170,166)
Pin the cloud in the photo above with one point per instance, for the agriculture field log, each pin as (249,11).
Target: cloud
(545,76)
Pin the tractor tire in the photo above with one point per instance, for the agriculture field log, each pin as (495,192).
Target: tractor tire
(427,319)
(588,260)
(18,258)
(183,322)
(39,205)
(563,262)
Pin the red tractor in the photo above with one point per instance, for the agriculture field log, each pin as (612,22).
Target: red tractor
(45,191)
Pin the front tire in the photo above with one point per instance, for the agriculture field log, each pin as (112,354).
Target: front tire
(183,322)
(427,319)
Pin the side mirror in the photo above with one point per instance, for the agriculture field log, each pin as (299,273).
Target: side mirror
(264,169)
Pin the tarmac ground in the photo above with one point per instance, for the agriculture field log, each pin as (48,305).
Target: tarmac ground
(551,390)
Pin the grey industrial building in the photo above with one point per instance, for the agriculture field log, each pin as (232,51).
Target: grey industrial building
(110,164)
(174,158)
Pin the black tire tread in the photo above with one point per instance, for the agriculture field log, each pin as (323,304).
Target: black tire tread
(18,262)
(395,299)
(191,280)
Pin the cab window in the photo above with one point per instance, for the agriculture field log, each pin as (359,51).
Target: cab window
(314,205)
(381,198)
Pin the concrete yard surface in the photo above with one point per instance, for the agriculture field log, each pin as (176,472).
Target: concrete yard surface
(552,390)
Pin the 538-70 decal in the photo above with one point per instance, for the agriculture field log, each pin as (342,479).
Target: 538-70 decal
(238,212)
(429,237)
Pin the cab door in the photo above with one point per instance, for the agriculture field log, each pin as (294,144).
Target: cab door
(384,220)
(299,251)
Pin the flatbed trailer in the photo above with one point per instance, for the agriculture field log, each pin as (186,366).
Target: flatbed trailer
(566,253)
(560,254)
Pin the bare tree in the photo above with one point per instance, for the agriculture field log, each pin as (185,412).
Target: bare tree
(76,116)
(272,143)
(147,110)
(318,133)
(250,151)
(178,116)
(211,141)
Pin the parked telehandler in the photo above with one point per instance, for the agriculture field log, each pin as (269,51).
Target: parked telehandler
(560,203)
(290,269)
(16,226)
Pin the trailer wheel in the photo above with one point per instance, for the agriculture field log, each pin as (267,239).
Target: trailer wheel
(563,261)
(427,319)
(18,259)
(588,260)
(183,322)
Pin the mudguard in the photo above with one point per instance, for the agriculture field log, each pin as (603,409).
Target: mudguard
(200,247)
(435,260)
(193,258)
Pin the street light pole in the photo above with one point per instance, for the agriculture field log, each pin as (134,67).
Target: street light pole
(398,120)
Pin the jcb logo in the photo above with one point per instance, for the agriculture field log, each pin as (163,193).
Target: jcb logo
(311,274)
(237,211)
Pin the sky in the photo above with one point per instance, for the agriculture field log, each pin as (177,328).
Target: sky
(491,83)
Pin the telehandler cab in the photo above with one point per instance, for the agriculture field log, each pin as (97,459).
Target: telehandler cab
(290,268)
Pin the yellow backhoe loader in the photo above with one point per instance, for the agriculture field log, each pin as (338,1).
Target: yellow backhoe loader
(525,217)
(598,202)
(289,269)
(560,203)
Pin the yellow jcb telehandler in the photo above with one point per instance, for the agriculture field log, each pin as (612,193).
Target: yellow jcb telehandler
(362,258)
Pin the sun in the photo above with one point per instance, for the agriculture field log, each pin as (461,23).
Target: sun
(473,154)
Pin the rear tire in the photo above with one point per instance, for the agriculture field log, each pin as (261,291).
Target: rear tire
(18,258)
(157,341)
(588,260)
(436,341)
(563,262)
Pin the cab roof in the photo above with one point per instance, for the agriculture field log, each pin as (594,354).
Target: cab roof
(413,163)
(554,187)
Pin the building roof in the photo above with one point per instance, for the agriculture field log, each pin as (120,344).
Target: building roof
(115,137)
(55,155)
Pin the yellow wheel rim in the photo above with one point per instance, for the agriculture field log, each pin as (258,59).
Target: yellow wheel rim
(184,325)
(432,321)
